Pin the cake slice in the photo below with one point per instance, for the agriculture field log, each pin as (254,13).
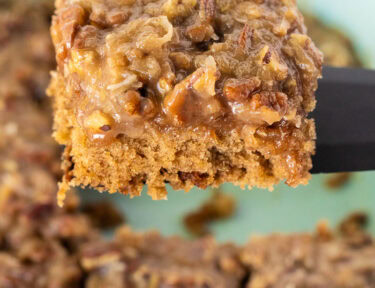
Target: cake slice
(190,93)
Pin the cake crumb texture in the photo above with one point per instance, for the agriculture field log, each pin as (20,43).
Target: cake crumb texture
(195,93)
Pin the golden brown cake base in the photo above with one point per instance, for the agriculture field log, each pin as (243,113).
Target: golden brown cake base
(191,94)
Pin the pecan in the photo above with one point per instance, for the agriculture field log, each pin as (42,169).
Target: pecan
(260,108)
(276,100)
(117,17)
(237,90)
(200,32)
(65,27)
(181,60)
(207,10)
(86,37)
(244,41)
(267,58)
(179,105)
(272,105)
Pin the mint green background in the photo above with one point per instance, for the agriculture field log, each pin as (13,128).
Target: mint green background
(354,17)
(285,209)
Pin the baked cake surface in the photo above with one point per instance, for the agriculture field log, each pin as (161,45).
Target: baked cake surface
(183,92)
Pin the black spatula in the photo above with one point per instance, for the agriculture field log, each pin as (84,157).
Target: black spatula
(345,119)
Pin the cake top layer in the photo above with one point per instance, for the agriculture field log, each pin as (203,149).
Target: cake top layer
(213,65)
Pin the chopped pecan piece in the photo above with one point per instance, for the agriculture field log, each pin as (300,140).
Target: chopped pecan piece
(238,90)
(263,107)
(199,87)
(70,18)
(244,41)
(207,10)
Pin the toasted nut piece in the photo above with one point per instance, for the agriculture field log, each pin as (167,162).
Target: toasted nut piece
(164,86)
(205,84)
(83,62)
(181,60)
(276,100)
(176,99)
(200,32)
(238,90)
(174,8)
(207,10)
(202,83)
(271,62)
(244,40)
(282,28)
(132,102)
(63,35)
(263,107)
(291,15)
(300,39)
(246,11)
(300,47)
(86,37)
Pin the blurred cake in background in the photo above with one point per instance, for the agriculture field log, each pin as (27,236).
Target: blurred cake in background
(337,48)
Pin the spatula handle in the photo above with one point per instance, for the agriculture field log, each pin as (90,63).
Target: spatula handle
(345,119)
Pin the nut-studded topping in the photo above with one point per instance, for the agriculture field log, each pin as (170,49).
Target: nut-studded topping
(198,88)
(139,72)
(202,29)
(300,50)
(264,107)
(63,34)
(242,89)
(272,67)
(275,100)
